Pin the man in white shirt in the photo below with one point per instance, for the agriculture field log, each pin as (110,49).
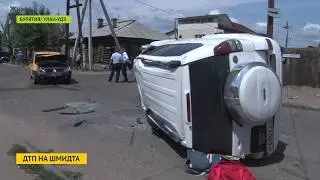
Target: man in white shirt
(116,61)
(78,60)
(124,64)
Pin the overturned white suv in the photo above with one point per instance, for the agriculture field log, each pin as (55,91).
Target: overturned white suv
(218,95)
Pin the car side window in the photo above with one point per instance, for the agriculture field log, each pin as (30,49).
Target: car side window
(172,49)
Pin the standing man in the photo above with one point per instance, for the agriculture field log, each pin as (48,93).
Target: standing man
(116,61)
(20,57)
(124,64)
(78,60)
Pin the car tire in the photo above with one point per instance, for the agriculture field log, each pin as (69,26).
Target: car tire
(69,80)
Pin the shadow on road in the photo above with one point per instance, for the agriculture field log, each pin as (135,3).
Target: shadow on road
(73,81)
(179,149)
(276,157)
(44,85)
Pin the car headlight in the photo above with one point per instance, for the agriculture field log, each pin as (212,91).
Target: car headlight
(41,70)
(67,69)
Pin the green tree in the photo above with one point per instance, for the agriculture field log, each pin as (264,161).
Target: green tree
(35,36)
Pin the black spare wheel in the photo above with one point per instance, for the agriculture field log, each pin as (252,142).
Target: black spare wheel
(252,93)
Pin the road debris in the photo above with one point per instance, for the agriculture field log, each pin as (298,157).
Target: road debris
(79,123)
(294,97)
(55,109)
(83,107)
(132,138)
(76,110)
(76,113)
(132,125)
(138,125)
(140,121)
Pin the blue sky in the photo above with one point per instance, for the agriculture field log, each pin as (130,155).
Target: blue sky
(303,15)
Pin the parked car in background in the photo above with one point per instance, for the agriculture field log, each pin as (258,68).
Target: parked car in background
(48,65)
(4,57)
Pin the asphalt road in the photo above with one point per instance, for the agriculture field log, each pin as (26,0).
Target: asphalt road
(118,147)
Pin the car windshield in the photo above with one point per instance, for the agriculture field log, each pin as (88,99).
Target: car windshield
(51,61)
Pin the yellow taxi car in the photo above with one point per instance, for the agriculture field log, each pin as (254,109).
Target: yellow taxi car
(49,65)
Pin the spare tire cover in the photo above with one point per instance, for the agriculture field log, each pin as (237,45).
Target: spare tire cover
(252,93)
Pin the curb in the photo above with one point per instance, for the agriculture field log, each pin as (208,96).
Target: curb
(300,106)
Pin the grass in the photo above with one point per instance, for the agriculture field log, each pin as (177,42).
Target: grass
(39,171)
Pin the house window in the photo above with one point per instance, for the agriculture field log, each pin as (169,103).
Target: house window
(180,36)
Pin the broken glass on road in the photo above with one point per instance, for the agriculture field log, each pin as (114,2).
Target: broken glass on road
(76,110)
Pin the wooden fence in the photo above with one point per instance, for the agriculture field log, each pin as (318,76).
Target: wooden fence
(304,71)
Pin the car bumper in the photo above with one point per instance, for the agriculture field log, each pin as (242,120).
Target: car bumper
(53,76)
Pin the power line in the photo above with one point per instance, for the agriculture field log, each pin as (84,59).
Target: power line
(157,8)
(149,5)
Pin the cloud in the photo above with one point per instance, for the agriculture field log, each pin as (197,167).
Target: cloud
(14,4)
(308,31)
(161,14)
(234,20)
(262,24)
(311,29)
(214,12)
(5,8)
(260,27)
(304,36)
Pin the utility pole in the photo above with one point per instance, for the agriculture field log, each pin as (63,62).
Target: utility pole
(90,30)
(287,33)
(110,26)
(81,37)
(90,35)
(270,19)
(81,49)
(67,31)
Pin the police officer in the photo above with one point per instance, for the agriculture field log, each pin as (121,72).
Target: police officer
(116,61)
(125,64)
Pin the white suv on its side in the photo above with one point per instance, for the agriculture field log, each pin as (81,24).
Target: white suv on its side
(219,94)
